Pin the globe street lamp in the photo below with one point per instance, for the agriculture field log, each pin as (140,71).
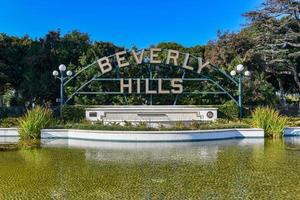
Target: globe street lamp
(240,73)
(62,68)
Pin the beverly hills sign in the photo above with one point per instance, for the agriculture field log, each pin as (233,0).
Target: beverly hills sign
(173,57)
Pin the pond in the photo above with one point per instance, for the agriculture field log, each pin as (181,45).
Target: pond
(228,169)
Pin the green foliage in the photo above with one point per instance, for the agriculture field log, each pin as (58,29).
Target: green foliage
(258,91)
(73,113)
(101,126)
(33,121)
(128,124)
(9,122)
(228,110)
(293,121)
(27,64)
(270,120)
(179,126)
(217,125)
(144,127)
(292,99)
(195,125)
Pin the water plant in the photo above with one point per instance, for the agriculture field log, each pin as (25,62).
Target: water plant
(33,121)
(270,120)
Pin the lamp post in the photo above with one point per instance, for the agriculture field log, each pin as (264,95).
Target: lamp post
(240,73)
(147,61)
(62,68)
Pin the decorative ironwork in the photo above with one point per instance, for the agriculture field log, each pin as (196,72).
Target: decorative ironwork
(200,77)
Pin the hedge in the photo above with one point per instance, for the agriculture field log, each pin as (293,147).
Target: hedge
(228,110)
(73,113)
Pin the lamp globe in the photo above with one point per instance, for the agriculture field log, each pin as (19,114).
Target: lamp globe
(62,67)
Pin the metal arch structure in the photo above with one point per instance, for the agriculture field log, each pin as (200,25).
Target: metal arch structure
(99,77)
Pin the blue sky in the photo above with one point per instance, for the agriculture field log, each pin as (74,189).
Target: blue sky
(127,22)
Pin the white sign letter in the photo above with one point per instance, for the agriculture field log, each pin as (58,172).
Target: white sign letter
(172,54)
(153,55)
(148,91)
(138,86)
(121,59)
(104,65)
(160,90)
(138,60)
(177,86)
(186,62)
(128,85)
(201,66)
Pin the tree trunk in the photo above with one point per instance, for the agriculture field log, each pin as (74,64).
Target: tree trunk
(281,88)
(1,101)
(281,92)
(296,78)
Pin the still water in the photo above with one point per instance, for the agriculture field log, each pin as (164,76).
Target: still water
(229,169)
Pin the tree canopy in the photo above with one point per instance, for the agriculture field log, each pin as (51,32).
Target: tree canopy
(268,45)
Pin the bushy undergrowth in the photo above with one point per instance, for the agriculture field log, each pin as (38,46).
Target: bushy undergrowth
(73,113)
(293,121)
(228,110)
(143,126)
(33,121)
(270,120)
(9,122)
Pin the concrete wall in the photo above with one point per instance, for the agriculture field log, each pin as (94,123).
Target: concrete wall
(152,136)
(150,114)
(292,131)
(9,132)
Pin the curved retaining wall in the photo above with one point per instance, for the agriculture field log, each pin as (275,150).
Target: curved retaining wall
(9,132)
(292,131)
(152,136)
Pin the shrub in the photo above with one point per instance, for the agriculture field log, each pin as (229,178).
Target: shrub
(73,113)
(228,110)
(8,122)
(195,125)
(294,121)
(270,120)
(33,121)
(142,125)
(128,124)
(179,126)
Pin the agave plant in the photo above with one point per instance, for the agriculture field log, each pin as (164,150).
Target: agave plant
(33,121)
(270,120)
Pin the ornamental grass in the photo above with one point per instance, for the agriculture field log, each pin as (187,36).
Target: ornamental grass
(270,120)
(33,121)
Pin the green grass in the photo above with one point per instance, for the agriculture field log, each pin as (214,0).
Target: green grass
(143,127)
(33,121)
(270,120)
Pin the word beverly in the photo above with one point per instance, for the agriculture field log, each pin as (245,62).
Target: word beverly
(172,58)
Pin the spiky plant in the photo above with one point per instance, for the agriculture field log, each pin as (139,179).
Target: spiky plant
(33,121)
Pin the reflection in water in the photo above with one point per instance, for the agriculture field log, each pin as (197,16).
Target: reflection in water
(4,140)
(144,145)
(292,141)
(227,169)
(150,151)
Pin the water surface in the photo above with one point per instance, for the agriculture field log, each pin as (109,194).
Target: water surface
(228,169)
